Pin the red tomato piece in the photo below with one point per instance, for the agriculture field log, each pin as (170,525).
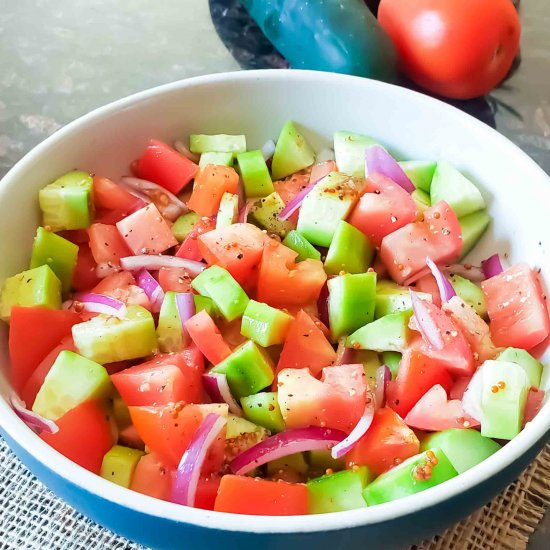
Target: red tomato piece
(416,375)
(207,491)
(438,236)
(207,337)
(237,248)
(428,285)
(153,478)
(474,328)
(107,247)
(322,169)
(115,281)
(387,443)
(306,347)
(283,282)
(167,378)
(163,165)
(434,413)
(459,387)
(383,208)
(110,196)
(290,187)
(146,231)
(175,279)
(189,248)
(231,332)
(84,435)
(335,401)
(455,354)
(129,437)
(76,236)
(84,275)
(260,497)
(210,185)
(34,332)
(167,430)
(533,404)
(36,379)
(517,308)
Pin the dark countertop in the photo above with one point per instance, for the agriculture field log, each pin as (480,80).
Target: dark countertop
(58,60)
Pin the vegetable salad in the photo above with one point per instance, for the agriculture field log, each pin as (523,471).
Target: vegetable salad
(272,331)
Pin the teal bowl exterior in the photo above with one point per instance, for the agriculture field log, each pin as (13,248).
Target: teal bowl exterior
(165,534)
(258,103)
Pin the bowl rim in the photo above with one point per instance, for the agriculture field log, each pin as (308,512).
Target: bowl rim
(101,488)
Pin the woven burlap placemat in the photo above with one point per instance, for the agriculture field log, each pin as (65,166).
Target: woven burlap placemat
(32,517)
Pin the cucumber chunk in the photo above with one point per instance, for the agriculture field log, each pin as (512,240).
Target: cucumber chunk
(228,211)
(170,334)
(338,492)
(106,339)
(470,293)
(329,202)
(266,213)
(302,246)
(215,158)
(457,190)
(533,368)
(228,296)
(119,464)
(220,143)
(292,153)
(350,251)
(184,225)
(255,174)
(463,448)
(350,302)
(420,172)
(473,227)
(263,409)
(249,369)
(415,474)
(57,252)
(71,381)
(35,287)
(389,333)
(67,202)
(264,324)
(349,150)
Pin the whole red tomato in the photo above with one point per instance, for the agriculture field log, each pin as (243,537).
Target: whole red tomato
(456,48)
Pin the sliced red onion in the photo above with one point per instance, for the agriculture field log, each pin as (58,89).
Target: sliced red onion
(446,290)
(471,272)
(99,303)
(322,305)
(343,354)
(286,443)
(67,304)
(428,329)
(217,388)
(180,147)
(189,470)
(30,418)
(268,149)
(492,266)
(383,376)
(361,428)
(186,309)
(246,210)
(378,160)
(296,201)
(151,287)
(154,263)
(167,203)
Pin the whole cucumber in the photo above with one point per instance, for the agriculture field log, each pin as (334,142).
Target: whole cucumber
(339,36)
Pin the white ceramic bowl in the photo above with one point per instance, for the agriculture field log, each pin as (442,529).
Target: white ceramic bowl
(257,103)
